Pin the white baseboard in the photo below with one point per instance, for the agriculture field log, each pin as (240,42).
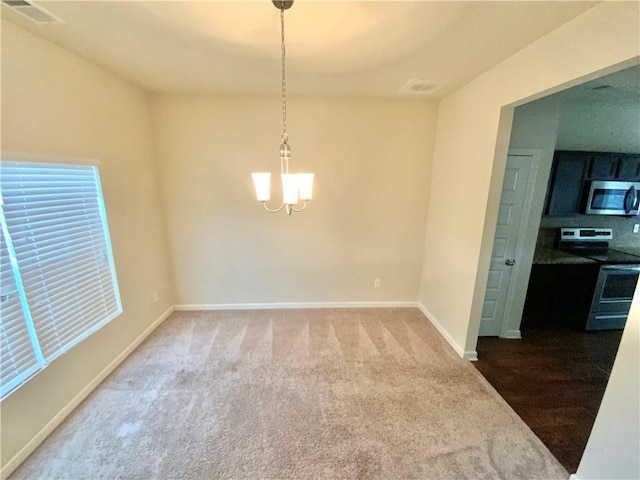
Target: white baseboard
(574,476)
(471,355)
(266,306)
(39,437)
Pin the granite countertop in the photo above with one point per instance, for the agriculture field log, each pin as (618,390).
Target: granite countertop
(631,250)
(552,256)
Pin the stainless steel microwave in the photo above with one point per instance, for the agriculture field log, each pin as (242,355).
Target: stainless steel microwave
(613,198)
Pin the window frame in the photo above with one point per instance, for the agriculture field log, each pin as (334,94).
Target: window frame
(114,308)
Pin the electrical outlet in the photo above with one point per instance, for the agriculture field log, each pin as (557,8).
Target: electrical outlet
(377,282)
(636,228)
(154,296)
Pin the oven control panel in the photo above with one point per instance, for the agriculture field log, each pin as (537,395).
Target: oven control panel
(586,234)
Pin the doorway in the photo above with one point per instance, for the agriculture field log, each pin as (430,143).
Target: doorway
(555,376)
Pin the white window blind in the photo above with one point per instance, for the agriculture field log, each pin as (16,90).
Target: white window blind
(19,357)
(56,230)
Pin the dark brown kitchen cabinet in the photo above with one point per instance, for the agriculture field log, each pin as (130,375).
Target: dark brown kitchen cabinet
(566,183)
(612,166)
(559,296)
(629,168)
(601,167)
(572,170)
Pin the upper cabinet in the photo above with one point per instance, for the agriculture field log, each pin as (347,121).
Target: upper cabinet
(610,166)
(629,168)
(566,183)
(571,171)
(601,166)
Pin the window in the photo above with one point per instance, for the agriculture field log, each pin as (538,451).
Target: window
(58,280)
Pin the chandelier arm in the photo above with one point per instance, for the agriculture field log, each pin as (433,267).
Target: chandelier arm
(300,209)
(264,204)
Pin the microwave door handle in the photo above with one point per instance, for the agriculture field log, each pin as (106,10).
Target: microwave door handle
(631,199)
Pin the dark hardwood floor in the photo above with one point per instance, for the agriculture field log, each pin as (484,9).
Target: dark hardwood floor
(554,380)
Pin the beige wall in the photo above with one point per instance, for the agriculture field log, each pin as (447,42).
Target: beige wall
(372,159)
(372,162)
(471,144)
(614,443)
(54,103)
(470,152)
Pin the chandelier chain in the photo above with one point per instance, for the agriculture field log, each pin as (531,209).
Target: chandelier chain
(284,81)
(296,187)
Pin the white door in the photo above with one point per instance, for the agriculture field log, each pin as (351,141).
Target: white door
(503,256)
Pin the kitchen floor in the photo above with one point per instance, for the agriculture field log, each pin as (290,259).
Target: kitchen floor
(554,380)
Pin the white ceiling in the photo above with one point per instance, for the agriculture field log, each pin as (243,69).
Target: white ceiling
(620,89)
(333,48)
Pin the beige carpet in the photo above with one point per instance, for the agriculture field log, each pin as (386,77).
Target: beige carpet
(294,394)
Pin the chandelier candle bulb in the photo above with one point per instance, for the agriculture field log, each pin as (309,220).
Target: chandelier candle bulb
(262,182)
(290,188)
(305,185)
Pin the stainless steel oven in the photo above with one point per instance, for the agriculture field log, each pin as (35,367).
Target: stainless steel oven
(613,198)
(612,297)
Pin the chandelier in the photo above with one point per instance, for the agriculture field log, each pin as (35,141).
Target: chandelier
(296,187)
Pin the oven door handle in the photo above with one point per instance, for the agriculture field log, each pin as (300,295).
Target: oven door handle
(631,199)
(623,266)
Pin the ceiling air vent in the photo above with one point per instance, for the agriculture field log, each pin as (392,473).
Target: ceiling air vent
(417,86)
(33,12)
